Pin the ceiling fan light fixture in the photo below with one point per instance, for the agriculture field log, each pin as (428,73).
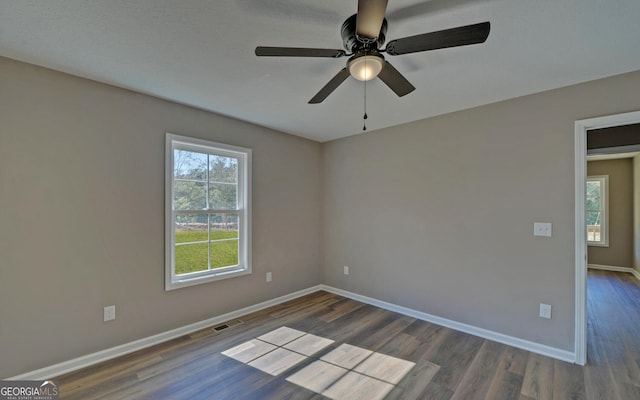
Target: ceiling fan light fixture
(363,35)
(366,67)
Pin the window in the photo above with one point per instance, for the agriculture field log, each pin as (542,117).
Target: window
(207,211)
(597,210)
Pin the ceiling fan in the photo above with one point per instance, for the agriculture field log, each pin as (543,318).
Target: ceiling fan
(363,35)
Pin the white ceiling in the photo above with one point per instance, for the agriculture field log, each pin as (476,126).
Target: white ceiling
(201,53)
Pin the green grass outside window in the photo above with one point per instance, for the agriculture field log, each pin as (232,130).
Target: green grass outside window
(193,257)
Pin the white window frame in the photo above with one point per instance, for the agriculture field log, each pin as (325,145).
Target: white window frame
(604,224)
(173,281)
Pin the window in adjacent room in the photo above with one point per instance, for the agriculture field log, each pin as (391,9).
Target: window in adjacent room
(597,210)
(207,211)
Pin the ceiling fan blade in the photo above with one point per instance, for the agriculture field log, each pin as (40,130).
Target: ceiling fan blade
(330,87)
(266,51)
(370,17)
(394,79)
(461,36)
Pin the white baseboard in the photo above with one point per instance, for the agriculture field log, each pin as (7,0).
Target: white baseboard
(117,351)
(616,269)
(538,348)
(113,352)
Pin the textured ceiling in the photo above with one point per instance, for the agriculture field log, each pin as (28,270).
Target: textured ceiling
(201,53)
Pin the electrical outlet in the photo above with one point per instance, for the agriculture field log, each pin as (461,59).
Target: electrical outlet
(346,270)
(545,311)
(269,277)
(110,313)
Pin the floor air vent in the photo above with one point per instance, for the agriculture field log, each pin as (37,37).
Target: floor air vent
(226,325)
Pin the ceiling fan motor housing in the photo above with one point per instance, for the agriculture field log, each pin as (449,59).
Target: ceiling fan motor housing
(364,49)
(353,43)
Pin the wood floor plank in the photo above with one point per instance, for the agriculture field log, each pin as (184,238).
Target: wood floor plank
(348,326)
(454,355)
(599,382)
(339,309)
(434,391)
(509,376)
(568,381)
(279,389)
(613,336)
(413,384)
(479,376)
(429,361)
(378,334)
(121,367)
(538,378)
(404,346)
(628,390)
(506,385)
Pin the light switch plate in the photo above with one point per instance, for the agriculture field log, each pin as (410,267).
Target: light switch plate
(542,229)
(109,313)
(545,311)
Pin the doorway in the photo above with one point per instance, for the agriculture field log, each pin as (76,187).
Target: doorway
(580,154)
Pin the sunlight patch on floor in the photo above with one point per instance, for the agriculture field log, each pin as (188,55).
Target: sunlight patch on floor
(346,372)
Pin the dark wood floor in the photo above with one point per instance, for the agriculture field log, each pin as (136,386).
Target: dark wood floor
(448,364)
(613,352)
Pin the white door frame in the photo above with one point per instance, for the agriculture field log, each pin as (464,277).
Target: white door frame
(581,128)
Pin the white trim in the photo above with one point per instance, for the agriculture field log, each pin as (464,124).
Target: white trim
(113,352)
(615,268)
(580,234)
(470,329)
(580,188)
(244,155)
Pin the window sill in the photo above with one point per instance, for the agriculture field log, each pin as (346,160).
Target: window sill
(177,283)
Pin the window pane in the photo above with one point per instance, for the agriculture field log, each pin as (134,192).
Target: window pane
(194,256)
(190,180)
(596,210)
(224,240)
(191,258)
(191,228)
(223,196)
(189,195)
(223,182)
(189,164)
(594,195)
(223,169)
(593,218)
(224,225)
(224,254)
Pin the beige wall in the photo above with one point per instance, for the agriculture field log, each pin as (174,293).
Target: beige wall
(620,251)
(82,216)
(437,215)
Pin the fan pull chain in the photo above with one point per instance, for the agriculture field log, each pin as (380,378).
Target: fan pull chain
(364,122)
